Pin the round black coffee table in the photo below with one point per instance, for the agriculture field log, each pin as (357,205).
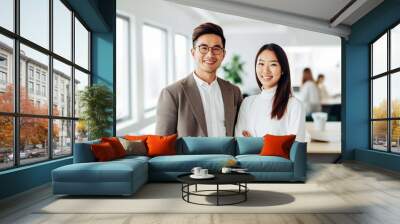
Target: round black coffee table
(238,179)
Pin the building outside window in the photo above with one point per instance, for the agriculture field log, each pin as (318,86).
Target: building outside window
(3,78)
(34,79)
(30,87)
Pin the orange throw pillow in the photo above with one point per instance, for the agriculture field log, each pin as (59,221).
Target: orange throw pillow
(103,152)
(116,145)
(161,145)
(137,137)
(277,145)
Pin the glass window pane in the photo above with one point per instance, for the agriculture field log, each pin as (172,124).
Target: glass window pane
(81,81)
(379,97)
(379,55)
(395,138)
(395,47)
(34,72)
(81,131)
(181,56)
(35,21)
(33,139)
(379,135)
(62,138)
(155,64)
(6,142)
(62,29)
(123,74)
(62,89)
(6,74)
(81,45)
(395,94)
(7,14)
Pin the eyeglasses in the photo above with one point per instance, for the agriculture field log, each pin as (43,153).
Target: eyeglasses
(204,49)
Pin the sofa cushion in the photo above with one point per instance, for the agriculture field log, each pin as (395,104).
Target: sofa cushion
(112,171)
(206,145)
(257,163)
(103,152)
(116,145)
(275,145)
(132,158)
(161,145)
(134,147)
(185,163)
(249,145)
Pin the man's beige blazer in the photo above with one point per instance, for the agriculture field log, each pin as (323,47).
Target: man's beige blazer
(180,109)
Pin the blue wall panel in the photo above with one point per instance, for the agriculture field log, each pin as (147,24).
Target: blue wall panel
(24,178)
(356,76)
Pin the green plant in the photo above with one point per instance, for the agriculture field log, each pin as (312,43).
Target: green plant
(96,102)
(234,70)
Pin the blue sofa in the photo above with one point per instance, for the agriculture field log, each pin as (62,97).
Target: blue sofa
(125,176)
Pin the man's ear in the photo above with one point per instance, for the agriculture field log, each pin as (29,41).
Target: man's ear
(192,51)
(223,55)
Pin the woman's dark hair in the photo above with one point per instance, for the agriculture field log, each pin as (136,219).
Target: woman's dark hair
(319,78)
(307,75)
(208,28)
(284,89)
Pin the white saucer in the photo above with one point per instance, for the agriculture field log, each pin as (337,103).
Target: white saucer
(208,176)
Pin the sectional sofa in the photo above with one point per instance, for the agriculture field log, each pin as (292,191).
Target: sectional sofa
(125,176)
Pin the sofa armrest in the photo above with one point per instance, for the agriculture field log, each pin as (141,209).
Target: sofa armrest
(298,155)
(83,152)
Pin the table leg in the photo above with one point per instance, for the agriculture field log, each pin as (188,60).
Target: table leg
(217,194)
(196,188)
(245,193)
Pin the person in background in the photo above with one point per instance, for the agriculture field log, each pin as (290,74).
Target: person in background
(323,93)
(275,110)
(309,93)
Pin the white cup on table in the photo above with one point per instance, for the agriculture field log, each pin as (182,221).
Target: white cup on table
(203,172)
(196,171)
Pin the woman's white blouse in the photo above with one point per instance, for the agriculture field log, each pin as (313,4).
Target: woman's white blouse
(255,117)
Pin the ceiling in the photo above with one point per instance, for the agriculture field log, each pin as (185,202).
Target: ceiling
(319,9)
(333,17)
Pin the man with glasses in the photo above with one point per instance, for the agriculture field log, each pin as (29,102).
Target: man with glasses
(200,104)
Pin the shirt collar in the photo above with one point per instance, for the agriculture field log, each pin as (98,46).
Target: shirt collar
(201,82)
(268,93)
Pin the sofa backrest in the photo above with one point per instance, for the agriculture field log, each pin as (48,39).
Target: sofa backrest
(83,152)
(246,145)
(206,145)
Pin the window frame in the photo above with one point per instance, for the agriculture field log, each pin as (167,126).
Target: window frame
(388,74)
(16,115)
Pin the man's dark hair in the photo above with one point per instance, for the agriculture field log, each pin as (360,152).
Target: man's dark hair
(208,28)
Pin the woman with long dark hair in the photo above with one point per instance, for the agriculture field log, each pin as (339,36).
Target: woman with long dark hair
(275,110)
(309,93)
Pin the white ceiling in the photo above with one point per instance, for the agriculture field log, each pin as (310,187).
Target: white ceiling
(313,15)
(320,9)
